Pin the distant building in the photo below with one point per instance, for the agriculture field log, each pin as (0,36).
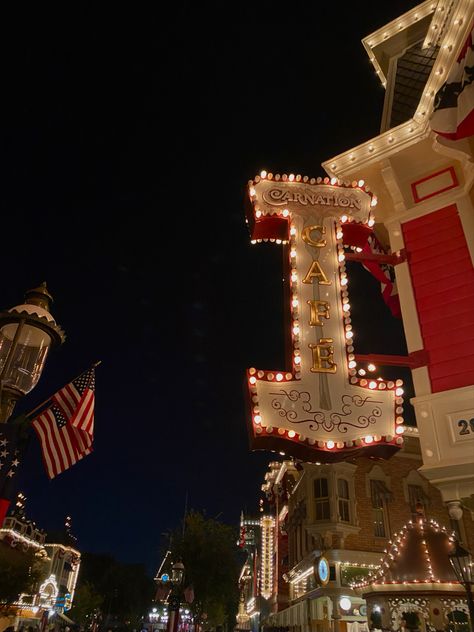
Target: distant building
(59,565)
(249,615)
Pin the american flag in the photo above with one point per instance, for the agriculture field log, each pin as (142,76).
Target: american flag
(12,446)
(10,452)
(66,428)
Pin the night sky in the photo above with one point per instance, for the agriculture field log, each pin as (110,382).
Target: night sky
(127,140)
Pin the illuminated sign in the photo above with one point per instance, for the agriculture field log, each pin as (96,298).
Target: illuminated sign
(267,524)
(320,409)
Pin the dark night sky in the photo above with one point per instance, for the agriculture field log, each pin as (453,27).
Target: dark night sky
(128,137)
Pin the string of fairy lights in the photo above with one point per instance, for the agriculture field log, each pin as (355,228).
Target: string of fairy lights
(395,550)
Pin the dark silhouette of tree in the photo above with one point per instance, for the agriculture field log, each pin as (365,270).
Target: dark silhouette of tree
(124,591)
(19,573)
(87,604)
(209,553)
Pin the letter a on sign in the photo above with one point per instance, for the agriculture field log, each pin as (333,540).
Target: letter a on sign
(318,409)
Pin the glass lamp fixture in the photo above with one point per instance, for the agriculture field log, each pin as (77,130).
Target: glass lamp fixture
(27,333)
(461,562)
(177,573)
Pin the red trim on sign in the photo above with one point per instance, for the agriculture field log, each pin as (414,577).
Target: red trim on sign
(355,233)
(455,183)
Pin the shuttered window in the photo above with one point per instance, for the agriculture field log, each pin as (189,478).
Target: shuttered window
(380,495)
(321,496)
(343,500)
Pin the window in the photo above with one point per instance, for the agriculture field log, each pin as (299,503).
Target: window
(416,495)
(321,495)
(343,497)
(377,493)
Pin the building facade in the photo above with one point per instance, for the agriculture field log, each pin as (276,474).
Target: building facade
(424,184)
(58,566)
(348,513)
(345,512)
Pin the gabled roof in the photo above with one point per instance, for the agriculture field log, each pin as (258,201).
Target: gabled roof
(442,24)
(394,38)
(410,74)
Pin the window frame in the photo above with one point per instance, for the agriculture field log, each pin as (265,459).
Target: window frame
(324,501)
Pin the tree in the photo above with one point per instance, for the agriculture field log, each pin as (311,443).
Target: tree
(19,572)
(125,590)
(87,603)
(207,549)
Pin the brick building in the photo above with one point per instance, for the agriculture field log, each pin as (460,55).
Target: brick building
(58,564)
(346,512)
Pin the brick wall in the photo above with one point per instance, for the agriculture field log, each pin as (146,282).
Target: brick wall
(397,473)
(397,469)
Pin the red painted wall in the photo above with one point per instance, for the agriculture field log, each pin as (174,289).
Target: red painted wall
(443,282)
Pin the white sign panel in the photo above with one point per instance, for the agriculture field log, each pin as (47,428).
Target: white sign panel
(319,409)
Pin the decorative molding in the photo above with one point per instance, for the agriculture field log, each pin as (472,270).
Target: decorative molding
(445,179)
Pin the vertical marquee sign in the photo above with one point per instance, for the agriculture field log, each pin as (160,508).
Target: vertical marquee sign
(322,409)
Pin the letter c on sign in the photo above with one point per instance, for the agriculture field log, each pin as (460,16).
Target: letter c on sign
(306,236)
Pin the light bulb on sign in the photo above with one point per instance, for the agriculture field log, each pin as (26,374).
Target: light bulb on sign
(345,603)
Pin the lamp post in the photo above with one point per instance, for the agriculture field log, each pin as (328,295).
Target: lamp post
(174,598)
(461,561)
(27,332)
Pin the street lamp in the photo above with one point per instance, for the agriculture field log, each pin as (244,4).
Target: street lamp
(27,332)
(174,599)
(461,562)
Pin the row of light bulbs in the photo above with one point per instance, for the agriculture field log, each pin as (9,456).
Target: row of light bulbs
(372,384)
(395,551)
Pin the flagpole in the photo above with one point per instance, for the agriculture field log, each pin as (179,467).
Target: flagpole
(46,401)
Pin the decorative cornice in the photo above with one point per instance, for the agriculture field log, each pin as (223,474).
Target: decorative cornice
(417,128)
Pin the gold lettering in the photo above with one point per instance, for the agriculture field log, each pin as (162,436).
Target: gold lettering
(317,310)
(323,356)
(306,236)
(316,271)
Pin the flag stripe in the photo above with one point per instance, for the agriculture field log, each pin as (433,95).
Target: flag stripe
(41,427)
(67,399)
(83,416)
(54,449)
